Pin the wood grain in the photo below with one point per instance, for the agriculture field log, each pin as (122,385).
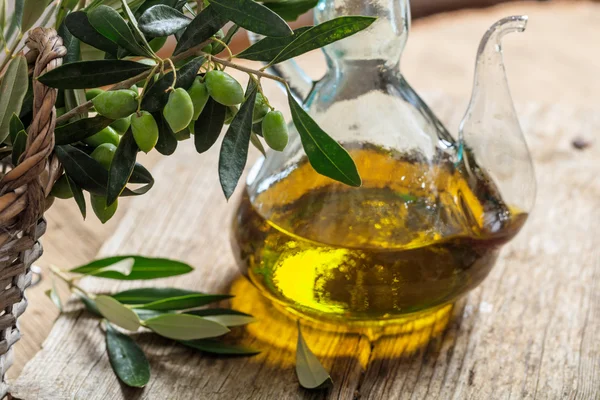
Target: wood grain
(530,331)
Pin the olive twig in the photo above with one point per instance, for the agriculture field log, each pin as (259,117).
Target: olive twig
(248,70)
(69,281)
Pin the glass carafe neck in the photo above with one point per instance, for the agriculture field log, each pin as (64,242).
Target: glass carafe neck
(384,40)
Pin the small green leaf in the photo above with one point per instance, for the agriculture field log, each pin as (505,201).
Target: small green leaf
(183,302)
(151,3)
(32,11)
(14,127)
(71,43)
(139,175)
(144,268)
(309,370)
(126,358)
(224,316)
(323,34)
(217,347)
(123,267)
(65,7)
(141,39)
(12,92)
(185,327)
(209,124)
(253,16)
(53,295)
(234,149)
(167,143)
(203,26)
(292,9)
(147,314)
(95,73)
(16,18)
(117,313)
(80,27)
(268,48)
(149,295)
(161,20)
(19,145)
(257,144)
(112,26)
(86,172)
(80,129)
(121,167)
(77,195)
(326,155)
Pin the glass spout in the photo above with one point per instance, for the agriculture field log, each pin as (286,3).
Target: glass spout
(490,136)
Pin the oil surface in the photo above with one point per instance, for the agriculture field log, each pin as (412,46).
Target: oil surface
(413,237)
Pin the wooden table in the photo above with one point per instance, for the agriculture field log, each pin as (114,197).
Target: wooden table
(531,329)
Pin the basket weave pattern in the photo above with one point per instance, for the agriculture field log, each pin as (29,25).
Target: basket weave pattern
(23,192)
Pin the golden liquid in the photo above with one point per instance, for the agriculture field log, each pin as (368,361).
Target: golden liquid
(412,238)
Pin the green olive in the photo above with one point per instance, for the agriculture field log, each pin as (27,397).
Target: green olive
(61,188)
(102,211)
(199,95)
(224,88)
(104,154)
(121,125)
(145,130)
(116,104)
(157,43)
(135,89)
(179,110)
(91,93)
(230,113)
(207,49)
(260,108)
(106,135)
(274,130)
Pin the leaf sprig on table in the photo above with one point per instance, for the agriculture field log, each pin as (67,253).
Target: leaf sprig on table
(155,102)
(172,313)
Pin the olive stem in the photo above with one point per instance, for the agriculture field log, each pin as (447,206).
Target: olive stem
(248,70)
(172,87)
(222,43)
(141,95)
(69,281)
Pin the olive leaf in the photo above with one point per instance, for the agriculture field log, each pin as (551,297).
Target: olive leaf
(112,26)
(121,166)
(53,295)
(151,3)
(207,127)
(149,295)
(90,305)
(80,129)
(167,143)
(19,145)
(16,18)
(32,11)
(137,33)
(15,125)
(95,73)
(185,327)
(12,92)
(268,48)
(71,43)
(323,34)
(309,370)
(290,10)
(143,268)
(162,20)
(183,302)
(257,144)
(86,172)
(253,16)
(326,156)
(203,26)
(139,175)
(78,24)
(123,267)
(126,358)
(77,195)
(147,314)
(216,347)
(117,313)
(65,7)
(73,99)
(234,149)
(224,316)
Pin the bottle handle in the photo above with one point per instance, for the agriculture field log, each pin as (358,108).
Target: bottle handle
(299,82)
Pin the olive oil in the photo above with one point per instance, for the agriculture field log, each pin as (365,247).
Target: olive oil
(412,238)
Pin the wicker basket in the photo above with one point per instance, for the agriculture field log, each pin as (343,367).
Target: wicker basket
(23,192)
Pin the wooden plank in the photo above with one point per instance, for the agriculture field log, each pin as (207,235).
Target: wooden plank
(529,331)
